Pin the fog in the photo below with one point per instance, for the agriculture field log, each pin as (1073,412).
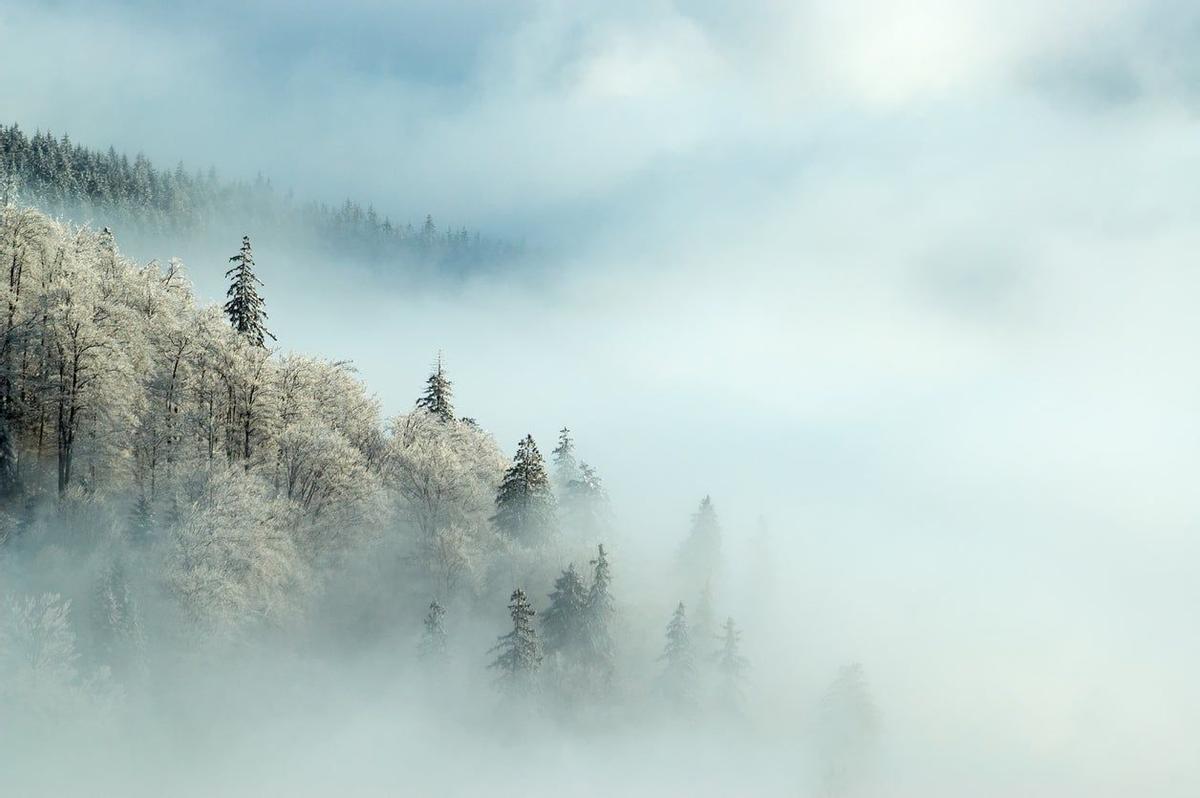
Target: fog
(909,288)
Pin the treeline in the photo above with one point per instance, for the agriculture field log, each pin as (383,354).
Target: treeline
(71,181)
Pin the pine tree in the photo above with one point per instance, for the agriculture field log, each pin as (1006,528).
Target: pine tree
(566,469)
(563,621)
(731,665)
(700,554)
(436,398)
(433,638)
(245,306)
(525,502)
(519,652)
(598,615)
(678,677)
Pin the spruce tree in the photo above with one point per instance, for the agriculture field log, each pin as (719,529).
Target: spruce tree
(731,665)
(598,615)
(848,723)
(563,622)
(566,469)
(678,677)
(704,623)
(518,653)
(119,623)
(700,554)
(436,398)
(245,306)
(433,638)
(525,502)
(585,505)
(141,519)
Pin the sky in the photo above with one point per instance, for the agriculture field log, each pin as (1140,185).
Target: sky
(914,281)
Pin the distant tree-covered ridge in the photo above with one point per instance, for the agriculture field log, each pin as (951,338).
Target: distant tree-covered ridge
(110,189)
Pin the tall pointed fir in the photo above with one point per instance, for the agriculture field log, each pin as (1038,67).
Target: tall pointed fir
(566,469)
(563,621)
(700,555)
(432,649)
(436,399)
(518,653)
(245,306)
(525,507)
(598,617)
(678,678)
(731,666)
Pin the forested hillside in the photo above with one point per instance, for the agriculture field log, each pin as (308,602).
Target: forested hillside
(177,491)
(134,196)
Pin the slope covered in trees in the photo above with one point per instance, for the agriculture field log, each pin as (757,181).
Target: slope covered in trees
(173,487)
(133,195)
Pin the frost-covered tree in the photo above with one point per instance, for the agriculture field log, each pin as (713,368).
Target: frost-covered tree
(443,477)
(518,653)
(848,724)
(731,666)
(700,555)
(443,474)
(525,507)
(563,623)
(39,663)
(677,681)
(566,468)
(234,562)
(432,648)
(437,396)
(244,307)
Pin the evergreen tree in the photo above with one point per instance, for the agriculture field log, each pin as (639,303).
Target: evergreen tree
(563,621)
(433,638)
(848,725)
(731,665)
(525,503)
(700,554)
(705,620)
(141,519)
(598,615)
(585,505)
(245,306)
(518,653)
(566,469)
(678,677)
(119,623)
(436,398)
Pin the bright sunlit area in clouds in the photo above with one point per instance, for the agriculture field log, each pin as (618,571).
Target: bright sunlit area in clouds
(868,326)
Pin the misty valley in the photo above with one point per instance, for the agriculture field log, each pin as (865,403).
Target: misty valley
(676,399)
